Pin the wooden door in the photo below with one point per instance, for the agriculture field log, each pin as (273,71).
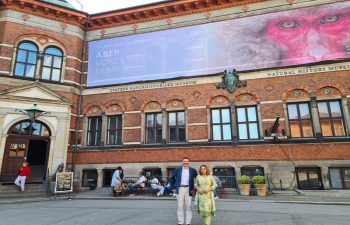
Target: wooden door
(14,155)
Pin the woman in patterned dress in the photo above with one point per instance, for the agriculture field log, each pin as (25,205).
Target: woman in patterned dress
(204,202)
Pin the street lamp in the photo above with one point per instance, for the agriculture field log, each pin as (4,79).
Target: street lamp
(33,112)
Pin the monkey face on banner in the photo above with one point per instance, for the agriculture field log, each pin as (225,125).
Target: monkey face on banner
(294,37)
(311,37)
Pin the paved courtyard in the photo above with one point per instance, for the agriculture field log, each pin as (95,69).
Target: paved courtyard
(160,212)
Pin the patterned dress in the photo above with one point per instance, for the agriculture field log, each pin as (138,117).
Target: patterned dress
(205,204)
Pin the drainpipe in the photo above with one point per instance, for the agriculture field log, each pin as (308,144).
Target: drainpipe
(80,94)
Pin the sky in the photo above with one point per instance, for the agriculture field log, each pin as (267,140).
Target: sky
(96,6)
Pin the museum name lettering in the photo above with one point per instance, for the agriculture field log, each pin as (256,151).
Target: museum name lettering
(153,86)
(309,70)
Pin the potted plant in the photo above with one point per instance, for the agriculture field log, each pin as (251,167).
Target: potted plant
(244,184)
(260,186)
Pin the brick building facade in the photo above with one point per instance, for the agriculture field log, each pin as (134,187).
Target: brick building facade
(151,125)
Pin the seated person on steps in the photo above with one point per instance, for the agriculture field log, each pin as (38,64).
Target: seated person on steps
(140,183)
(156,185)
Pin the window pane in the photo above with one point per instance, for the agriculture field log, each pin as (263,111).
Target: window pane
(242,130)
(338,127)
(28,46)
(173,135)
(227,132)
(91,138)
(149,136)
(98,137)
(32,57)
(294,129)
(251,114)
(99,123)
(335,109)
(46,73)
(36,129)
(57,62)
(150,120)
(225,115)
(159,135)
(21,56)
(181,118)
(335,178)
(53,51)
(182,134)
(326,128)
(253,131)
(216,132)
(112,123)
(307,128)
(119,138)
(292,112)
(313,178)
(215,116)
(303,182)
(159,119)
(19,69)
(30,71)
(47,60)
(56,74)
(111,137)
(120,122)
(241,117)
(92,124)
(172,119)
(322,109)
(304,111)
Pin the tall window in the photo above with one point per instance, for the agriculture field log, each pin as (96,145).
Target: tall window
(52,64)
(300,120)
(154,128)
(26,60)
(177,127)
(247,121)
(94,131)
(331,118)
(221,124)
(114,130)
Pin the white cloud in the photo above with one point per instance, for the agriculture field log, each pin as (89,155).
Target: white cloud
(96,6)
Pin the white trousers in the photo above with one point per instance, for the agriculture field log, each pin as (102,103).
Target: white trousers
(20,181)
(184,197)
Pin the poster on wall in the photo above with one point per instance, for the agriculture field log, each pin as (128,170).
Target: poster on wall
(64,182)
(288,38)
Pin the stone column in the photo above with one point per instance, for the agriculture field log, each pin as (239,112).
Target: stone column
(164,125)
(60,149)
(99,178)
(233,121)
(325,177)
(315,117)
(346,114)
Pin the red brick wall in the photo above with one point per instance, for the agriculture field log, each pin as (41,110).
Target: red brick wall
(217,153)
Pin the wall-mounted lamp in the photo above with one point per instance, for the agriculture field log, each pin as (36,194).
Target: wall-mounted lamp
(33,112)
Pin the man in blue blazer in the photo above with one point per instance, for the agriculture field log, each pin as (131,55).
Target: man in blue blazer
(182,182)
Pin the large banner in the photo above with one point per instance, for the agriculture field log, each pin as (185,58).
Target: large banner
(295,37)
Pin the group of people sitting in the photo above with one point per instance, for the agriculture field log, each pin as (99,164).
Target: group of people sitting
(118,184)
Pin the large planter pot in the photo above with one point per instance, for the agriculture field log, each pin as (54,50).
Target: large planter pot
(244,189)
(260,189)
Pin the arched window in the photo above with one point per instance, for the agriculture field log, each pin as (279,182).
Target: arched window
(52,64)
(26,128)
(26,60)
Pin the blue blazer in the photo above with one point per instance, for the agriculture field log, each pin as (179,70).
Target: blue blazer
(175,178)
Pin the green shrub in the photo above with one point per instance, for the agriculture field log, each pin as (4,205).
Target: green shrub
(258,179)
(243,179)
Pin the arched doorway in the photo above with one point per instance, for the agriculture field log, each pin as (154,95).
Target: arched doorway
(30,142)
